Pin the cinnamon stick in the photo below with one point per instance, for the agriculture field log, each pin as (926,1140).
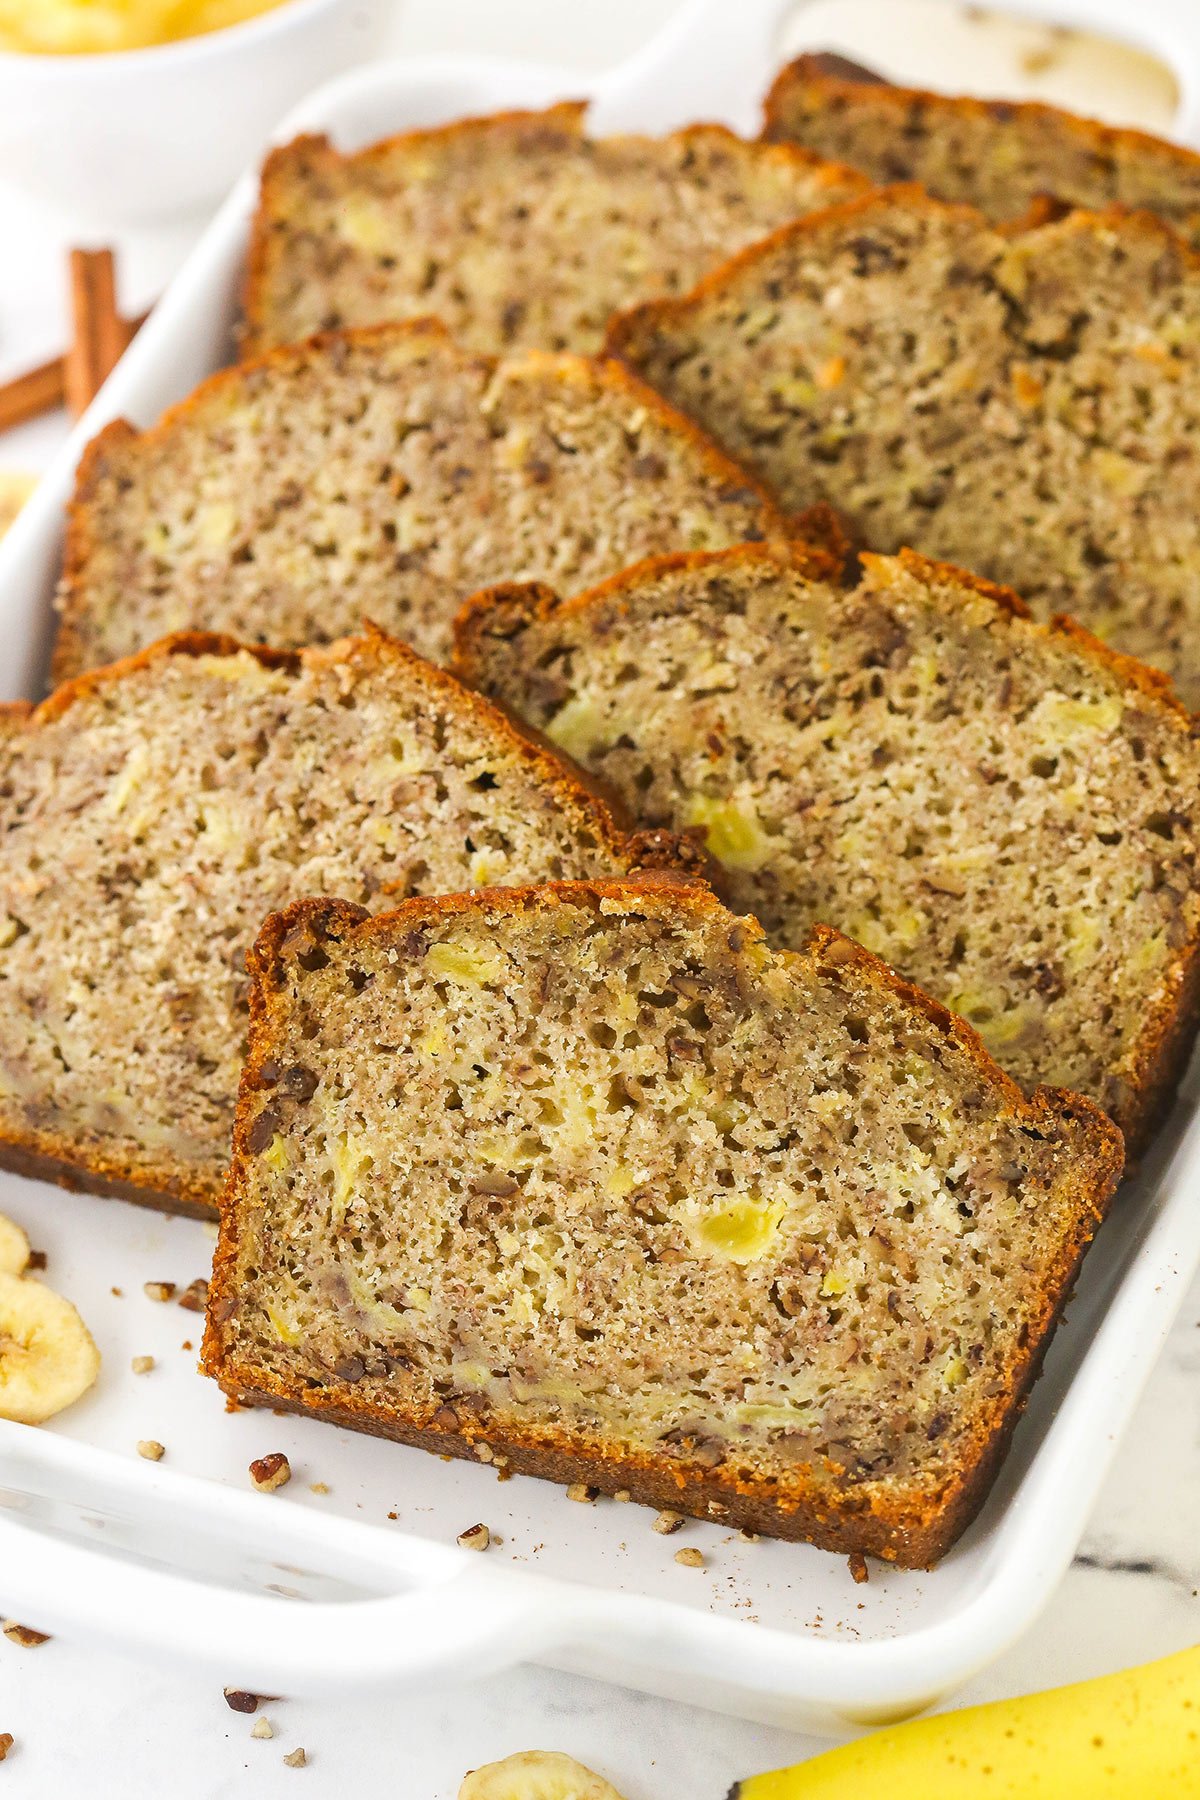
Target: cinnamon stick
(30,395)
(40,390)
(100,334)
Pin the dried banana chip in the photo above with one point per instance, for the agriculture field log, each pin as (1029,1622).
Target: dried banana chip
(47,1357)
(14,1248)
(536,1775)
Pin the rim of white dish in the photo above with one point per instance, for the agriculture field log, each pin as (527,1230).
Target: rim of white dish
(85,65)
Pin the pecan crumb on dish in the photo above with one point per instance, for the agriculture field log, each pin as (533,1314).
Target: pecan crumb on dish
(24,1635)
(858,1567)
(579,1490)
(270,1472)
(690,1558)
(158,1290)
(262,1728)
(624,1495)
(37,1262)
(151,1449)
(241,1700)
(6,1743)
(318,1487)
(667,1522)
(194,1297)
(295,1759)
(142,1365)
(477,1537)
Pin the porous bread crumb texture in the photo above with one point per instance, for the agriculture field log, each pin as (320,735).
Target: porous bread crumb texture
(516,230)
(381,475)
(997,155)
(1004,811)
(151,815)
(590,1174)
(1026,405)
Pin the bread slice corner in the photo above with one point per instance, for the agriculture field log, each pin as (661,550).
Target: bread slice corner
(762,1236)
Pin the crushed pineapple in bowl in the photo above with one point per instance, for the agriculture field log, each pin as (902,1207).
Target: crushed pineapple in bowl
(93,27)
(123,110)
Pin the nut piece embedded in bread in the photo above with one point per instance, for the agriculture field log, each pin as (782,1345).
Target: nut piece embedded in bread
(1026,404)
(382,474)
(1005,811)
(764,1237)
(517,231)
(151,814)
(997,155)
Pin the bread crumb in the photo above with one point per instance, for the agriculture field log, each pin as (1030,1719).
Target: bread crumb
(858,1567)
(476,1537)
(261,1728)
(142,1365)
(24,1635)
(295,1759)
(117,1293)
(579,1490)
(667,1522)
(151,1449)
(318,1487)
(157,1290)
(270,1472)
(690,1558)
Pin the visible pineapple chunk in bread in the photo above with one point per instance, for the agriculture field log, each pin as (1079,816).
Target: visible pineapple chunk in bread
(996,407)
(518,231)
(153,813)
(770,1276)
(381,475)
(1006,812)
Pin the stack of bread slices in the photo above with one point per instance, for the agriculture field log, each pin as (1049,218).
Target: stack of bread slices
(658,970)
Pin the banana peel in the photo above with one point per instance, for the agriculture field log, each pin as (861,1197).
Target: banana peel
(1131,1736)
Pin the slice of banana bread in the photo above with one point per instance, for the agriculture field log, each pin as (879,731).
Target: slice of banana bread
(1007,812)
(1028,406)
(518,231)
(152,813)
(588,1174)
(995,154)
(382,474)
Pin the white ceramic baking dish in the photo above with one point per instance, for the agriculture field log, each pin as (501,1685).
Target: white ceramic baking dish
(363,1583)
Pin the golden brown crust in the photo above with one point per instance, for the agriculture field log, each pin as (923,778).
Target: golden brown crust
(52,1156)
(525,601)
(1159,1054)
(628,329)
(67,655)
(567,119)
(840,79)
(913,1528)
(45,1157)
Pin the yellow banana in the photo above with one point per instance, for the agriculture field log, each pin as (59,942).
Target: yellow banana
(536,1775)
(14,1248)
(1132,1736)
(47,1357)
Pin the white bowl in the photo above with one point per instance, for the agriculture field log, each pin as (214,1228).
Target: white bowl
(138,134)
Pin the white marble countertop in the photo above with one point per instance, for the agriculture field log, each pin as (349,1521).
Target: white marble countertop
(100,1724)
